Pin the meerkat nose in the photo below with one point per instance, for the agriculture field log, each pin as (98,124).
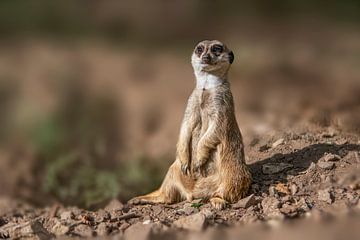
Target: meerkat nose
(206,58)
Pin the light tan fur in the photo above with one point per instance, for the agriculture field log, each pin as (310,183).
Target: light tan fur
(210,153)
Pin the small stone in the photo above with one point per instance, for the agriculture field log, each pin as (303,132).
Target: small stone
(58,228)
(83,230)
(147,221)
(245,202)
(329,134)
(197,201)
(325,196)
(302,204)
(102,229)
(272,192)
(293,189)
(114,205)
(188,209)
(102,215)
(311,168)
(326,165)
(67,215)
(273,168)
(282,188)
(331,157)
(124,226)
(195,222)
(352,198)
(277,143)
(270,207)
(157,209)
(289,210)
(208,213)
(138,231)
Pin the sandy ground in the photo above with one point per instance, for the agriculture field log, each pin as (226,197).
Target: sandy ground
(304,177)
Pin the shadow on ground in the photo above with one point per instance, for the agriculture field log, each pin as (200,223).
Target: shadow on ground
(297,162)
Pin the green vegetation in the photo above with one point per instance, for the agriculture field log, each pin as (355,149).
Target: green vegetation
(77,147)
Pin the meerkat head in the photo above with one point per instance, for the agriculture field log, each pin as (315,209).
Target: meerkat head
(213,57)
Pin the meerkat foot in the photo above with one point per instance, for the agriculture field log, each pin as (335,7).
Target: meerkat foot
(218,203)
(151,198)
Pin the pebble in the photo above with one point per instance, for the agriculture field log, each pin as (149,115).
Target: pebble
(331,157)
(195,222)
(311,168)
(325,196)
(102,215)
(277,143)
(67,215)
(83,230)
(270,207)
(102,229)
(57,227)
(245,202)
(293,189)
(326,165)
(124,226)
(157,209)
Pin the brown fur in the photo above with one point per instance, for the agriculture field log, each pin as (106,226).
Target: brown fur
(210,153)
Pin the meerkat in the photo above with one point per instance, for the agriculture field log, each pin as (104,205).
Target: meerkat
(210,162)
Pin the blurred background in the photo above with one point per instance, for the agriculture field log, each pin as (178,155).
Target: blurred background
(92,93)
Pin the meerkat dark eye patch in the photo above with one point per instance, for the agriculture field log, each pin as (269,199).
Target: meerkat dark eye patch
(199,49)
(217,48)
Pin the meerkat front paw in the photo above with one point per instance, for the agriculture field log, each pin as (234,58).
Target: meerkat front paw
(185,168)
(199,168)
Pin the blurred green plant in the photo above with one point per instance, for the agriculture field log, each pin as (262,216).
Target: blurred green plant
(78,146)
(8,95)
(78,183)
(197,205)
(137,179)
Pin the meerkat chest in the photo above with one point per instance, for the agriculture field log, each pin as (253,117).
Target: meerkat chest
(207,104)
(205,99)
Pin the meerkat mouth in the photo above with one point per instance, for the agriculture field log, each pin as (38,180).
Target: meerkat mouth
(207,63)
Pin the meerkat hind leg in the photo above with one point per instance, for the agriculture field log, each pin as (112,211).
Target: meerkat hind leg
(169,191)
(218,203)
(153,197)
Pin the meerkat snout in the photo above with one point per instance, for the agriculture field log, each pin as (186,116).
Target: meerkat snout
(212,56)
(206,59)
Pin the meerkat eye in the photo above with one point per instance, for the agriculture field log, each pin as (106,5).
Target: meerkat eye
(199,49)
(217,48)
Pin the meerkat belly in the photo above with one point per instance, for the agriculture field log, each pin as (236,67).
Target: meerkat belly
(206,115)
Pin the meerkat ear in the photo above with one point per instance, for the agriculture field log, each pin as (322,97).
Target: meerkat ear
(231,57)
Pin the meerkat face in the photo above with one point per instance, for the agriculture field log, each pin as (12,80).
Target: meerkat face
(212,56)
